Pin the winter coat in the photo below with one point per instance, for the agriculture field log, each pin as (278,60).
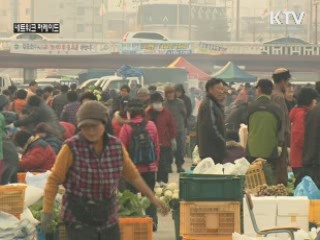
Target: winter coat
(278,98)
(211,131)
(234,152)
(298,119)
(311,150)
(126,138)
(166,125)
(69,112)
(42,113)
(54,142)
(179,112)
(11,162)
(69,130)
(2,134)
(187,103)
(38,156)
(264,125)
(237,115)
(59,102)
(117,123)
(17,105)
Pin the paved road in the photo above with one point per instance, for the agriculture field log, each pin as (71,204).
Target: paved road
(166,229)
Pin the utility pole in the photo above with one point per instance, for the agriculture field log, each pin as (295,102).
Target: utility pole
(92,29)
(189,20)
(254,25)
(316,23)
(286,25)
(310,28)
(238,20)
(178,18)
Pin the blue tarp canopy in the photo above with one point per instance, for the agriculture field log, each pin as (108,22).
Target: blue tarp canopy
(127,71)
(232,73)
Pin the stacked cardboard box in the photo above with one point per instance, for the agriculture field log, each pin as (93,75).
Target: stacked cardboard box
(273,212)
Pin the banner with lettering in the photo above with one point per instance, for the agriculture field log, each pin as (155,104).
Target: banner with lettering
(52,48)
(210,49)
(169,48)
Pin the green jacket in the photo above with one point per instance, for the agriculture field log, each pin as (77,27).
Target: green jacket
(264,125)
(2,134)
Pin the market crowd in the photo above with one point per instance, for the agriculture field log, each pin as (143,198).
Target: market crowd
(97,142)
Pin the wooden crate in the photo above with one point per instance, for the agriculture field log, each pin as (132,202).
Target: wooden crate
(255,175)
(211,219)
(314,216)
(12,199)
(136,228)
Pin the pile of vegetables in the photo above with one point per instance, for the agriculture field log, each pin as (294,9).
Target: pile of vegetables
(276,190)
(36,211)
(169,194)
(132,205)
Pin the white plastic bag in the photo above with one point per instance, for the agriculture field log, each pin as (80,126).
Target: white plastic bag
(12,228)
(39,180)
(243,135)
(195,155)
(241,166)
(33,195)
(204,166)
(229,169)
(27,214)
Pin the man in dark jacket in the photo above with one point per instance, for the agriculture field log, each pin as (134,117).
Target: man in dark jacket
(39,112)
(60,100)
(210,125)
(264,125)
(311,151)
(178,109)
(181,93)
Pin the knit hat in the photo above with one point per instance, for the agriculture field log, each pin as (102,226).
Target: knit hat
(91,112)
(156,97)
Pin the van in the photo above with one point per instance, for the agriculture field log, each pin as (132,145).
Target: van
(5,82)
(116,82)
(63,80)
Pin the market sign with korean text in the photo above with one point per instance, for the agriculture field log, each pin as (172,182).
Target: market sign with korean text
(63,48)
(210,49)
(169,48)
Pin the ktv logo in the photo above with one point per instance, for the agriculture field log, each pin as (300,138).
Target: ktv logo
(286,17)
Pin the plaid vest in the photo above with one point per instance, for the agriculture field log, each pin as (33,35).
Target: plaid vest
(93,178)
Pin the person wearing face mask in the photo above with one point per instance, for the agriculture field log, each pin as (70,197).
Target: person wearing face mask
(167,132)
(210,123)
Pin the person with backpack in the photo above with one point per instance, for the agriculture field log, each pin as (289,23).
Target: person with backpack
(140,138)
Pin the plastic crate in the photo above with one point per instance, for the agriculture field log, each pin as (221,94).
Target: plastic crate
(12,199)
(205,187)
(220,219)
(255,175)
(136,228)
(314,216)
(200,237)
